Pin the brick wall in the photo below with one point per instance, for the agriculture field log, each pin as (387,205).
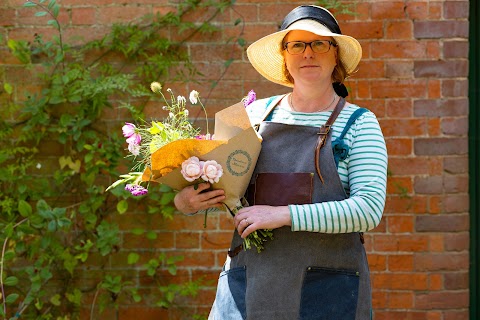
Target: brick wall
(413,76)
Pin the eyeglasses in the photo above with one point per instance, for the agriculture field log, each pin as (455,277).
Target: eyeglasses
(317,46)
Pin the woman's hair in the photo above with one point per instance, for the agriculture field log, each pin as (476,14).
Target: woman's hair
(339,73)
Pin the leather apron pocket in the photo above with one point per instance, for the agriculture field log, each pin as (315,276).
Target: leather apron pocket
(281,189)
(329,294)
(230,298)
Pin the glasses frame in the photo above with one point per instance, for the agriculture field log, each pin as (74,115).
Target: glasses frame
(330,44)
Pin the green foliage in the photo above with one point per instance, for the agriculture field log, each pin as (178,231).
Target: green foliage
(55,212)
(337,6)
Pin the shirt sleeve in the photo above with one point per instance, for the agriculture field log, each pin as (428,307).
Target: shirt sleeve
(366,170)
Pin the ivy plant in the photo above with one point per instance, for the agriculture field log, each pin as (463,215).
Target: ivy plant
(56,215)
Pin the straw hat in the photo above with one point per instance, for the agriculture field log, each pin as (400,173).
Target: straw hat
(266,54)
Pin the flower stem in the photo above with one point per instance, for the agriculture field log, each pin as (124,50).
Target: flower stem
(206,116)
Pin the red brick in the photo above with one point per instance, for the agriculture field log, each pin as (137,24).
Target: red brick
(457,241)
(442,300)
(440,107)
(440,146)
(455,88)
(400,224)
(455,9)
(441,262)
(455,49)
(398,29)
(442,223)
(387,10)
(400,243)
(399,89)
(163,240)
(377,262)
(400,300)
(441,69)
(117,14)
(364,30)
(403,128)
(7,17)
(401,262)
(440,29)
(399,49)
(417,10)
(456,281)
(400,281)
(399,146)
(83,16)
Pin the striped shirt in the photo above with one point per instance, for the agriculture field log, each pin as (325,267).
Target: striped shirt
(363,173)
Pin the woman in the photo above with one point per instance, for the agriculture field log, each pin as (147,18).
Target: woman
(318,202)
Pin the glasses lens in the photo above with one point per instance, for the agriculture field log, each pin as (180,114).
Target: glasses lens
(320,46)
(296,47)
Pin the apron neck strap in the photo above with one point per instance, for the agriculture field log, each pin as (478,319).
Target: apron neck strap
(323,133)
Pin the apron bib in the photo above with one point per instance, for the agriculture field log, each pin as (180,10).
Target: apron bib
(299,275)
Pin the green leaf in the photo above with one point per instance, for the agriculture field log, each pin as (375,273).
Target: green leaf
(55,300)
(151,235)
(29,4)
(24,208)
(133,258)
(56,10)
(8,88)
(40,14)
(138,231)
(11,298)
(11,281)
(122,206)
(75,297)
(53,23)
(241,42)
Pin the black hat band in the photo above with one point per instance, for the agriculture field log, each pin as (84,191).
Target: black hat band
(312,13)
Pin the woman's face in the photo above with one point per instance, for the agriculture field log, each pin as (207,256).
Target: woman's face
(310,66)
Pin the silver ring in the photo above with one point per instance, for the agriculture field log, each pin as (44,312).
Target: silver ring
(246,220)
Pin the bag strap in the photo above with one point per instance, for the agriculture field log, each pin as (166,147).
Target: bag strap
(323,133)
(339,147)
(351,120)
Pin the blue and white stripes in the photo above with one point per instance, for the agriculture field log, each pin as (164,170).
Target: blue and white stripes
(363,173)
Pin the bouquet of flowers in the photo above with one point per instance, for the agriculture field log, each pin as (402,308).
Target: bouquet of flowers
(174,153)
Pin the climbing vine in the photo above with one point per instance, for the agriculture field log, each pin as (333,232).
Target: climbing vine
(58,153)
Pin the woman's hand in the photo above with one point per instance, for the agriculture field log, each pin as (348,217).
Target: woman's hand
(253,218)
(190,200)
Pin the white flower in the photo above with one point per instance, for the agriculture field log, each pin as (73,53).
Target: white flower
(171,115)
(186,112)
(134,149)
(194,97)
(181,100)
(39,166)
(156,87)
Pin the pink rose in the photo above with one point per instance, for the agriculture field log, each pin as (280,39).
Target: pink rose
(192,169)
(212,171)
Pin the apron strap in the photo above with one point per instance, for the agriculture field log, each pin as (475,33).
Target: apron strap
(323,132)
(271,104)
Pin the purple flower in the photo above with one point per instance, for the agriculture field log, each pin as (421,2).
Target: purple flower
(134,139)
(129,187)
(207,136)
(128,129)
(251,96)
(136,190)
(134,149)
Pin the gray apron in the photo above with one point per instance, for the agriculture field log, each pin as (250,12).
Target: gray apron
(299,275)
